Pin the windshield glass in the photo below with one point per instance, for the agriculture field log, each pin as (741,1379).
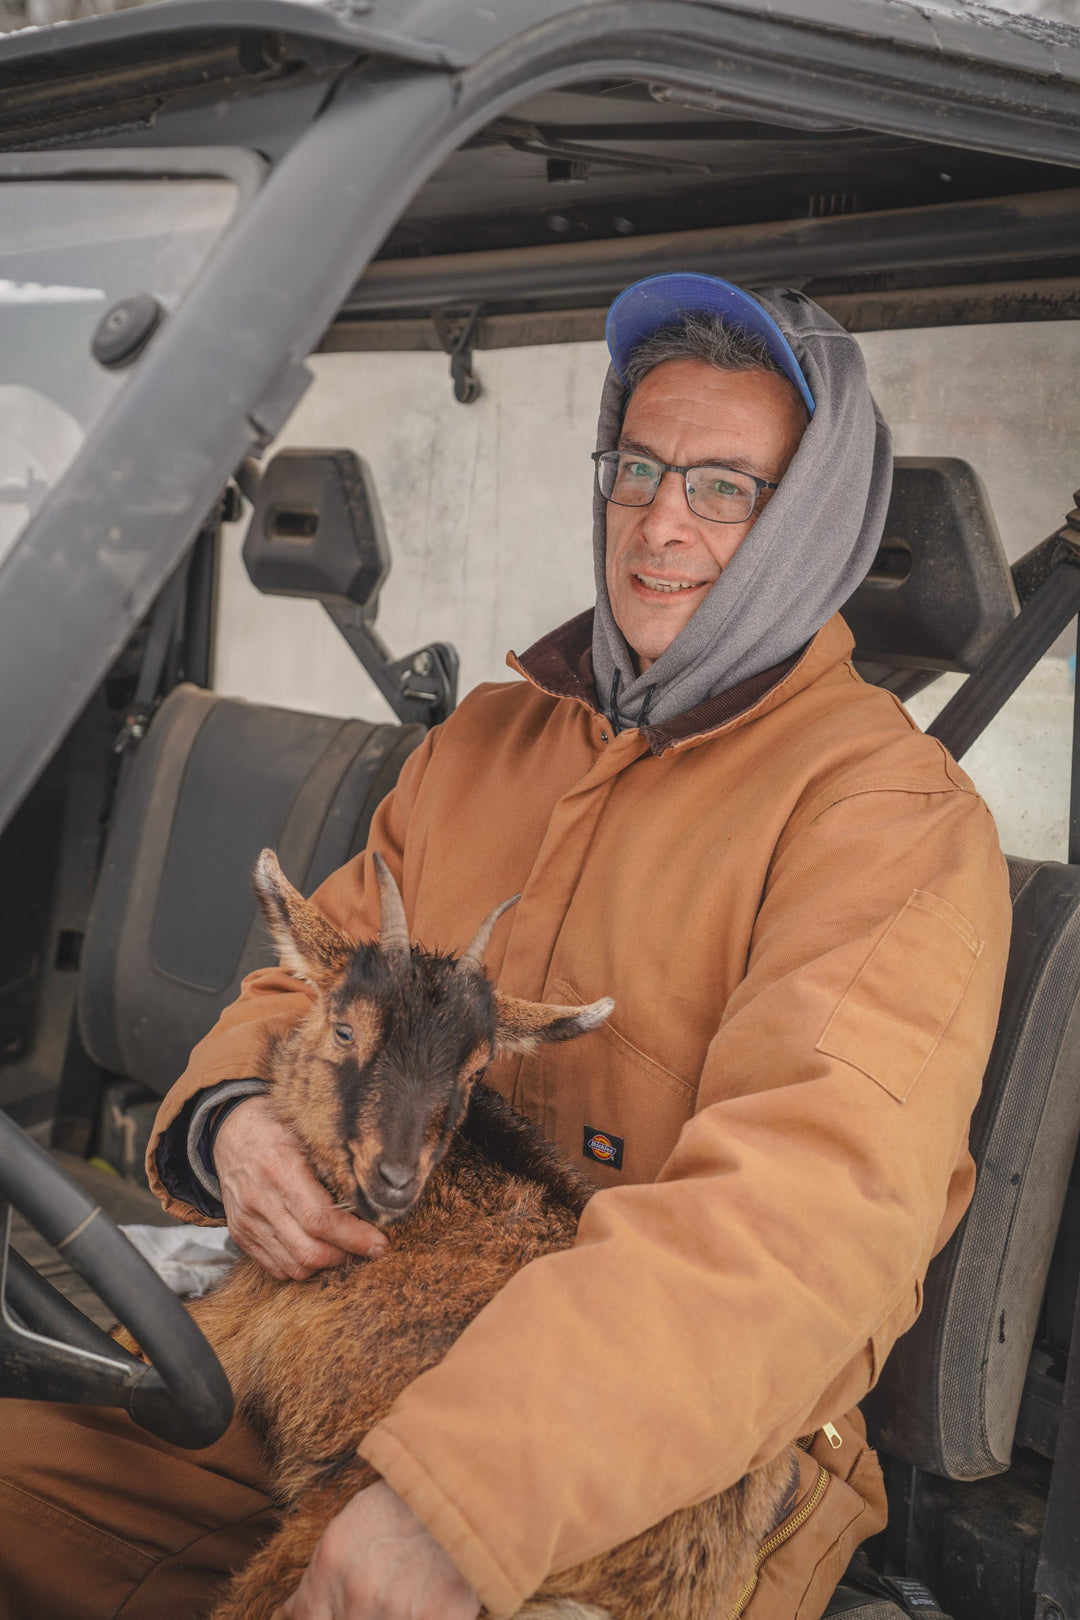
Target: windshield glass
(70,250)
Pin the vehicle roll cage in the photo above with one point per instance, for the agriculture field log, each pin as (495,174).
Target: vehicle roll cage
(330,118)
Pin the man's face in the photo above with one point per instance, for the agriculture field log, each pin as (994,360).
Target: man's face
(689,414)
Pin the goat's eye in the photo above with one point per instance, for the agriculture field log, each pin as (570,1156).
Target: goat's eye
(343,1033)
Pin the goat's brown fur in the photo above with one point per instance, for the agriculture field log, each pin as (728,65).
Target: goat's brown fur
(315,1364)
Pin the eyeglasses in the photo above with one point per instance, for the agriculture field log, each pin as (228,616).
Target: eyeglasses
(717,494)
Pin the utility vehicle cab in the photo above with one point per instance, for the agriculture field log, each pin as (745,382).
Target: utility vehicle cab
(213,212)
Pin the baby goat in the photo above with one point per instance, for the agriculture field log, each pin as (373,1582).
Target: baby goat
(379,1084)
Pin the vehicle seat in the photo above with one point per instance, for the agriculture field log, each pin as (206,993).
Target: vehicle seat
(950,1393)
(174,927)
(949,1396)
(940,590)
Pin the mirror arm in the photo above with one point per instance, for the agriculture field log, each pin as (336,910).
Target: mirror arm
(421,687)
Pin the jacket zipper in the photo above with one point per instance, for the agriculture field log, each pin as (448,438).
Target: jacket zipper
(778,1538)
(831,1433)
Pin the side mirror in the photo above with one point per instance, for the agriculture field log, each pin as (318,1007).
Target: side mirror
(317,531)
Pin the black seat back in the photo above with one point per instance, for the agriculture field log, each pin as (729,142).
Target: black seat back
(940,590)
(173,928)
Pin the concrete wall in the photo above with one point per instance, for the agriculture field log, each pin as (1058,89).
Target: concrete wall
(488,513)
(1002,398)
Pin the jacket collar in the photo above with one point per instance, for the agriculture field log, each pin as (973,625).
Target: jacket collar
(560,664)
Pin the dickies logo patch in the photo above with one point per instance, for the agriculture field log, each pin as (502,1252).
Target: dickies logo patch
(603,1147)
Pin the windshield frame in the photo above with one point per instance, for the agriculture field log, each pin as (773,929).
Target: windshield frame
(246,171)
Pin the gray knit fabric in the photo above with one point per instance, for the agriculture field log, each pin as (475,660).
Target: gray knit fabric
(209,1101)
(809,549)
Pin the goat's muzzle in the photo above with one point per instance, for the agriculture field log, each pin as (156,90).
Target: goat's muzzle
(395,1184)
(389,1192)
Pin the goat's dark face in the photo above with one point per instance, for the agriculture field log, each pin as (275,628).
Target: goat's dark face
(377,1078)
(412,1034)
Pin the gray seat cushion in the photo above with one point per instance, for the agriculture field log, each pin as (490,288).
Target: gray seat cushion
(174,927)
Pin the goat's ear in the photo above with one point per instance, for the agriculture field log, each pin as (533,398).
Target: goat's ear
(522,1026)
(308,946)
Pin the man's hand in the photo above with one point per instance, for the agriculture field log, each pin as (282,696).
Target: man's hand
(376,1561)
(275,1208)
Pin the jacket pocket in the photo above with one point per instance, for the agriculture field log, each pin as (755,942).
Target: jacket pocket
(607,1088)
(840,1502)
(899,1004)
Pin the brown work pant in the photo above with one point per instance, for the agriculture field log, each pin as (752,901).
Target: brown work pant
(99,1519)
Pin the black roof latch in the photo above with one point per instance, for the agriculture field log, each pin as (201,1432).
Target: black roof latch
(456,333)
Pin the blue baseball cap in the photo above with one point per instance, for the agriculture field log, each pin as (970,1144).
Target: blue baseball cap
(644,307)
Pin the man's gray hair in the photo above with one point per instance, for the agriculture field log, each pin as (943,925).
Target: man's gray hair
(707,338)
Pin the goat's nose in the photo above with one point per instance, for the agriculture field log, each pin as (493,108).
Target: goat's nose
(397,1176)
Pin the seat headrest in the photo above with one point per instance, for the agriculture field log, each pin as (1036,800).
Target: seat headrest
(940,590)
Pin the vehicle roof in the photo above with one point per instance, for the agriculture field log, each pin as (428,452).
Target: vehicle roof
(455,33)
(606,167)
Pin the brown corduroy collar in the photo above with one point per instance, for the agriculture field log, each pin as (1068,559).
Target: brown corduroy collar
(561,663)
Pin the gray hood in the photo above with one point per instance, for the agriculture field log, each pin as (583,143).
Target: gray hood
(809,549)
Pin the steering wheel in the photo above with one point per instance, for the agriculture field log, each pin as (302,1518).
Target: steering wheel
(50,1351)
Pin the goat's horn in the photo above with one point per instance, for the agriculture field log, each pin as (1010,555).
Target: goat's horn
(393,929)
(473,955)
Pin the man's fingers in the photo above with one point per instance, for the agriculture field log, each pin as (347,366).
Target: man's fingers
(270,1255)
(282,1245)
(278,1242)
(345,1231)
(376,1561)
(311,1204)
(276,1208)
(298,1259)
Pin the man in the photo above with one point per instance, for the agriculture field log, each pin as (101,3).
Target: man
(800,907)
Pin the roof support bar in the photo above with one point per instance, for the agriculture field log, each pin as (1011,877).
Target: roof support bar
(998,230)
(1044,614)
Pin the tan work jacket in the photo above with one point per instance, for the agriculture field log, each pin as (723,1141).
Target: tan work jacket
(802,912)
